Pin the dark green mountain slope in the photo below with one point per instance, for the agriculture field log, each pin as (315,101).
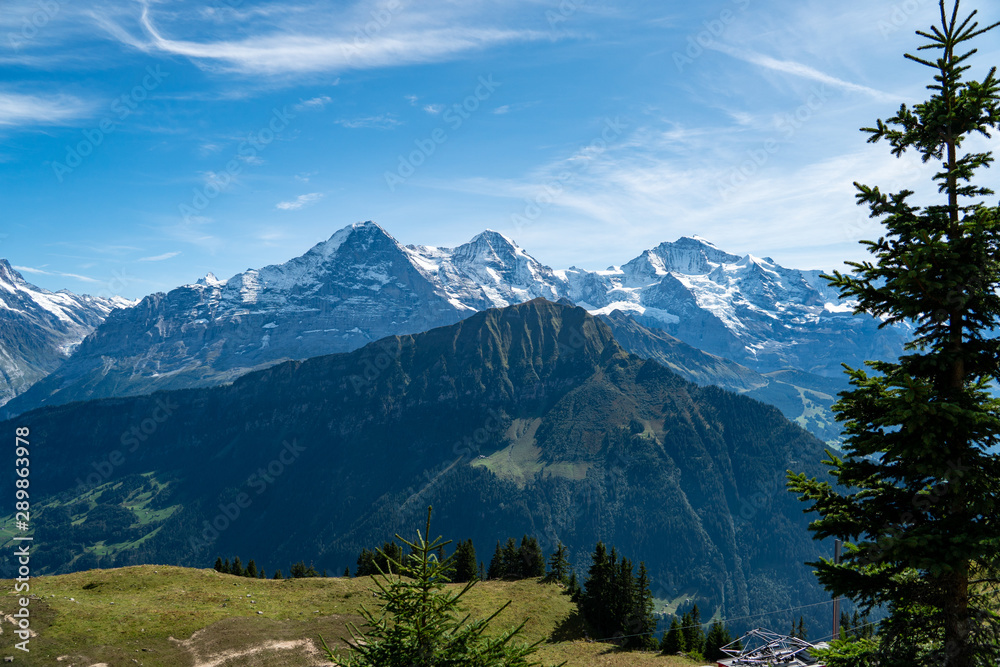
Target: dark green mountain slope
(529,419)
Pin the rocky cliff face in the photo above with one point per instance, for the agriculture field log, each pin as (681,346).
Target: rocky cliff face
(39,329)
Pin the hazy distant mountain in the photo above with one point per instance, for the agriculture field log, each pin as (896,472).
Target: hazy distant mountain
(39,328)
(528,419)
(362,285)
(804,398)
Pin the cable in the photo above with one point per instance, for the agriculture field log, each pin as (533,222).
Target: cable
(725,620)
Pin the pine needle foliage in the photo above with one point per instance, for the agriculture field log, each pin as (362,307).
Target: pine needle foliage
(918,482)
(420,623)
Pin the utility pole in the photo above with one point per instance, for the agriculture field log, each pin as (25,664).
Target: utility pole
(836,601)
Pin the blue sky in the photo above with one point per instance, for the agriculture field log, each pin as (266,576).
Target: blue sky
(144,144)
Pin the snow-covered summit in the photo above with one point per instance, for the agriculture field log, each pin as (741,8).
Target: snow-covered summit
(361,285)
(42,328)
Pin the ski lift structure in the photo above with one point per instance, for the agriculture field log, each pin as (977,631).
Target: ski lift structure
(763,648)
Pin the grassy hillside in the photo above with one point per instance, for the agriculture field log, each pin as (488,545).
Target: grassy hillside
(161,616)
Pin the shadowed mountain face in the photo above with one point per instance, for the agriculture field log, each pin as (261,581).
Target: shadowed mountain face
(527,419)
(39,329)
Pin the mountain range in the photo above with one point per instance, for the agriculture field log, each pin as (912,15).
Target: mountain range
(526,419)
(39,329)
(362,285)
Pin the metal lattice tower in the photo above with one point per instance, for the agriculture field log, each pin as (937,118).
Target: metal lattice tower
(766,648)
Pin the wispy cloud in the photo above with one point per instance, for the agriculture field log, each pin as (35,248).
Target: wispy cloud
(287,50)
(42,272)
(434,109)
(508,108)
(300,202)
(797,69)
(20,109)
(159,258)
(379,122)
(314,104)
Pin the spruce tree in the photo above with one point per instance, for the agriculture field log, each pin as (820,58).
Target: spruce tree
(511,560)
(673,640)
(496,570)
(226,567)
(559,566)
(347,572)
(916,500)
(365,566)
(465,562)
(717,637)
(420,623)
(597,591)
(573,588)
(251,570)
(641,625)
(277,574)
(236,567)
(218,564)
(694,636)
(532,560)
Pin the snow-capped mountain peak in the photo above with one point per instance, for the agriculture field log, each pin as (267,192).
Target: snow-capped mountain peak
(43,328)
(9,278)
(361,285)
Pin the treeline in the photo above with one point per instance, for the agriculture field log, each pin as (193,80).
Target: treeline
(617,603)
(686,636)
(298,570)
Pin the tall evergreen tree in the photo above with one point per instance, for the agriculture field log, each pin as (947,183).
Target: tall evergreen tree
(511,560)
(622,598)
(673,639)
(465,562)
(277,574)
(218,564)
(574,589)
(236,567)
(717,637)
(641,623)
(532,560)
(559,566)
(251,570)
(694,636)
(917,501)
(496,570)
(597,591)
(421,624)
(226,567)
